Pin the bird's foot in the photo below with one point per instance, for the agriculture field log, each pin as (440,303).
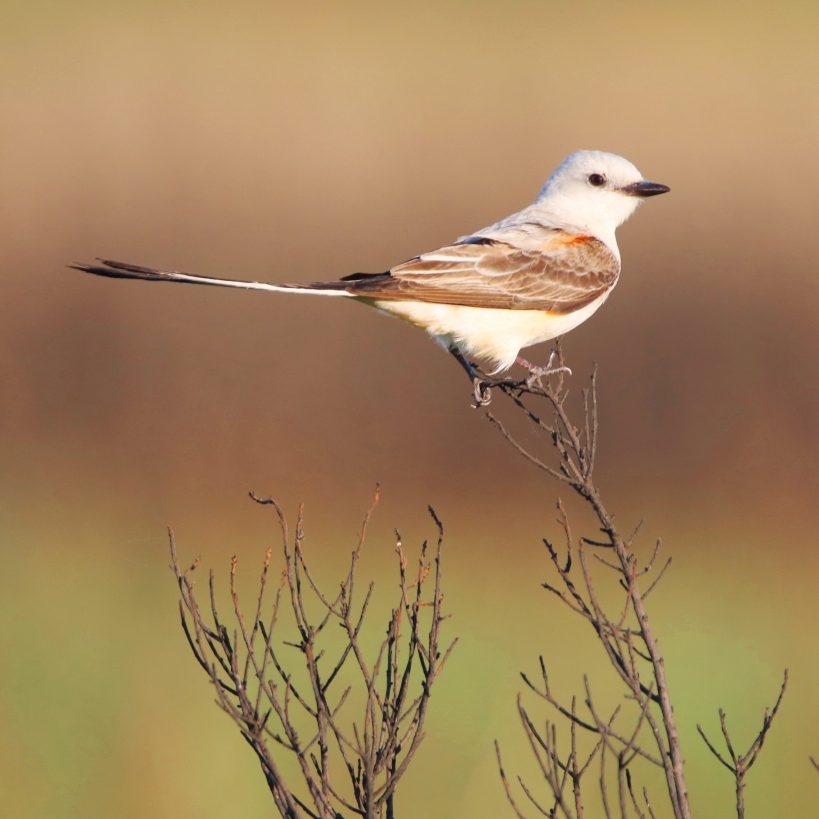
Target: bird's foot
(481,391)
(536,373)
(481,384)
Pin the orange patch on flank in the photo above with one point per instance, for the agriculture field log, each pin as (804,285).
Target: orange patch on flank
(567,240)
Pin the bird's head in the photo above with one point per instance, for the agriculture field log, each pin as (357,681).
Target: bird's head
(595,191)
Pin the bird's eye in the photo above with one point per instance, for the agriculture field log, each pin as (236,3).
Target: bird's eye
(597,179)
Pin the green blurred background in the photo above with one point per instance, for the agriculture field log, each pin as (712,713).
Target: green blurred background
(272,141)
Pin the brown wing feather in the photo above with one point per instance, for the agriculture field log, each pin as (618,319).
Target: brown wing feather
(563,277)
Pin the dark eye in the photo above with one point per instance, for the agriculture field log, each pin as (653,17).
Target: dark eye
(597,179)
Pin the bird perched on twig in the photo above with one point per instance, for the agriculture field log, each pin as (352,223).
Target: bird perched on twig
(529,278)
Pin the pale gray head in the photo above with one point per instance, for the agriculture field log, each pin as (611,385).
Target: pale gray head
(595,191)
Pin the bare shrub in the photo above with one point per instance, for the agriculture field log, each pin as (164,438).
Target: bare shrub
(641,730)
(346,763)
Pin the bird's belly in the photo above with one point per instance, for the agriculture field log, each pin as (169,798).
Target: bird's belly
(491,334)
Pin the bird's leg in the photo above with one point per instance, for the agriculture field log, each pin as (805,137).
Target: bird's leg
(481,385)
(536,373)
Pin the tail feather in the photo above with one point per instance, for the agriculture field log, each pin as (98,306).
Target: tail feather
(124,270)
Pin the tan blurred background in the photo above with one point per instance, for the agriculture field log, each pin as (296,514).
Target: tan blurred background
(260,140)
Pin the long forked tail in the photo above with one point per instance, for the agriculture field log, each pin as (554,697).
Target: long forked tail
(123,270)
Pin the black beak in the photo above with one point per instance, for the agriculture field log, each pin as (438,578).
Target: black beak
(644,188)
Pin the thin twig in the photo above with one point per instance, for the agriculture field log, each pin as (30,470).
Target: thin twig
(740,764)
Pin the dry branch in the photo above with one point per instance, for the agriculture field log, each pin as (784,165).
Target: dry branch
(643,728)
(349,764)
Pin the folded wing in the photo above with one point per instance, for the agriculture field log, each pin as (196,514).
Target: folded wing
(563,275)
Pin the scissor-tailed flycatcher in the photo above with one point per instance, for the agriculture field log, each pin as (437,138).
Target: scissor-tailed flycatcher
(529,278)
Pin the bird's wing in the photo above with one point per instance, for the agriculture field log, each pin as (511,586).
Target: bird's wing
(562,275)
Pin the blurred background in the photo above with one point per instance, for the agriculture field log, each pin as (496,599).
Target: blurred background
(297,142)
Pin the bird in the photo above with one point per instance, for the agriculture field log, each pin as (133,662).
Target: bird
(528,278)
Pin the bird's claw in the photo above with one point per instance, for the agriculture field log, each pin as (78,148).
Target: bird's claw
(536,374)
(481,392)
